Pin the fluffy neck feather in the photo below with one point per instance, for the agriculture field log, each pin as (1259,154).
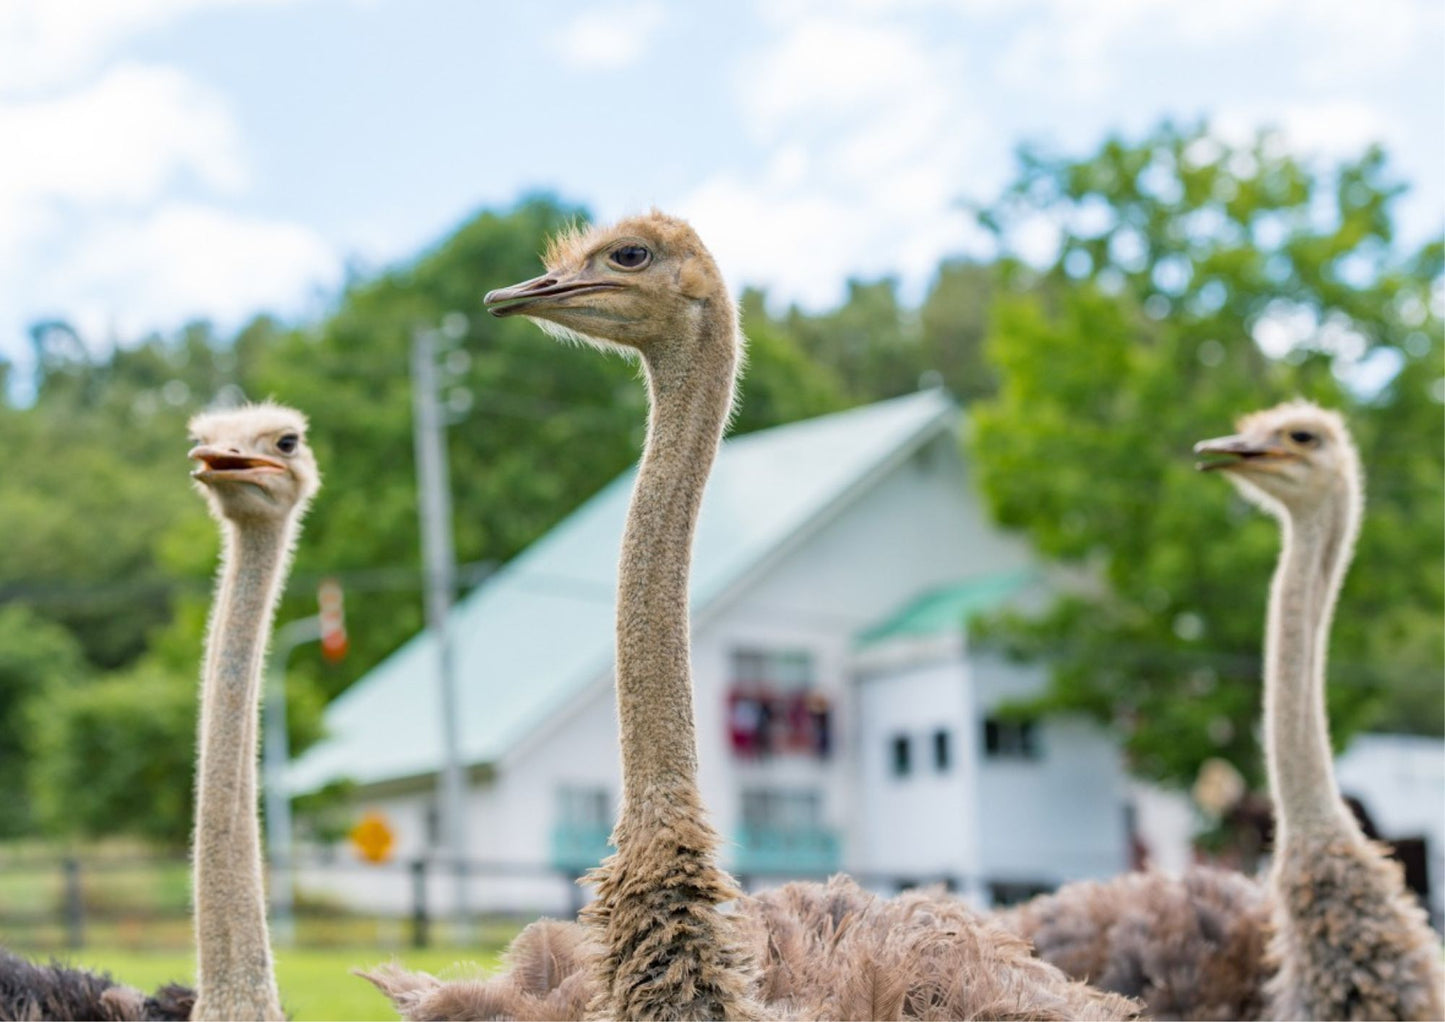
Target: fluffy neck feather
(689,407)
(1317,545)
(235,977)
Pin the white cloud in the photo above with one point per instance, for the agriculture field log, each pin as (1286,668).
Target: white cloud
(611,38)
(870,139)
(124,138)
(96,153)
(44,43)
(1081,50)
(185,260)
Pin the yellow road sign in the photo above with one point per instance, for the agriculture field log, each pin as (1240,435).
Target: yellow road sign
(373,837)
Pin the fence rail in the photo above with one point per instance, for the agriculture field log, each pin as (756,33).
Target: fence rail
(142,901)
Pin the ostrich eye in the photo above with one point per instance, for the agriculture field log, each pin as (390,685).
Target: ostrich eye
(1303,436)
(287,443)
(631,257)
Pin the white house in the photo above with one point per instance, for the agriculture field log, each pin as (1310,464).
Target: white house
(843,722)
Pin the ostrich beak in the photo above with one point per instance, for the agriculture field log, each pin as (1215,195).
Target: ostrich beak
(218,462)
(1230,451)
(547,289)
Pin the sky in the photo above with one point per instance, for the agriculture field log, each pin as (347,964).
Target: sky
(166,160)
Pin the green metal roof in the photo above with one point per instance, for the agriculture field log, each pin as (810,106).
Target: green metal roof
(536,633)
(948,609)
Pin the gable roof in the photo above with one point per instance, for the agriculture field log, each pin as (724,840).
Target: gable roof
(539,630)
(947,610)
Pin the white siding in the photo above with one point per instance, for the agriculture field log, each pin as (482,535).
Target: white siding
(915,529)
(922,825)
(1057,818)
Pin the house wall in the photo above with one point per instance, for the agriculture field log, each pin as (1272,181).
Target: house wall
(1057,818)
(922,823)
(917,529)
(1400,779)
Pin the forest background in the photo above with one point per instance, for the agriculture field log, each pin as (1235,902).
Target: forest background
(1196,280)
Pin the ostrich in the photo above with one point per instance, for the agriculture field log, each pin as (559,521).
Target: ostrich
(659,945)
(258,476)
(1349,939)
(29,991)
(1189,947)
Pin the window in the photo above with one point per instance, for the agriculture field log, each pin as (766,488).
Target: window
(902,756)
(774,707)
(789,809)
(1012,892)
(583,807)
(1011,739)
(941,751)
(784,670)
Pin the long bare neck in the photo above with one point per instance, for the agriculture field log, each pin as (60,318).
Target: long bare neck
(1316,553)
(690,398)
(236,978)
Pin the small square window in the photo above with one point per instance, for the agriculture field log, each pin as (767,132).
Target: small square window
(1011,739)
(941,751)
(902,756)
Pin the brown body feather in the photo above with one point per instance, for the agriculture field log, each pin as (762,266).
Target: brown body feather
(1345,948)
(31,993)
(823,951)
(1190,947)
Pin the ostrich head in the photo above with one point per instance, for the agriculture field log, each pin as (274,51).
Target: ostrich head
(1288,458)
(254,462)
(643,283)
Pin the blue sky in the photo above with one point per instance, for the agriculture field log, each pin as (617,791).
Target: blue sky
(168,159)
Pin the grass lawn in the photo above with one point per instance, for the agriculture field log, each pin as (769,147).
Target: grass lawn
(315,984)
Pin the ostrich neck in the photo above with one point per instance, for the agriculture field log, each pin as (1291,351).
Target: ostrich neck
(1302,599)
(690,395)
(234,953)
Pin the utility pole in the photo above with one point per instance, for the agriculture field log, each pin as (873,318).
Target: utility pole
(435,508)
(275,752)
(330,627)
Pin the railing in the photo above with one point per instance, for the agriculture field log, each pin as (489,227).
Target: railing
(143,902)
(780,851)
(576,848)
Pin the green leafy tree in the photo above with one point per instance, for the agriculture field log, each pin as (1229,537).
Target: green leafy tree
(953,322)
(37,657)
(117,756)
(120,554)
(1196,281)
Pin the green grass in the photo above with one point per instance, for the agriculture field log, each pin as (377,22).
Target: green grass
(315,984)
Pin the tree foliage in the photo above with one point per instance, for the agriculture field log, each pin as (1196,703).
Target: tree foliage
(1196,281)
(122,554)
(1185,268)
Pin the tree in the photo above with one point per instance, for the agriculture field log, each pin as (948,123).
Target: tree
(1195,281)
(117,756)
(37,657)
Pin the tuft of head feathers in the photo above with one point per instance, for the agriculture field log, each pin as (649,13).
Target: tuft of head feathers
(246,422)
(577,242)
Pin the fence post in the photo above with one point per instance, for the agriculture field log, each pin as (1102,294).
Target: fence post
(74,904)
(418,903)
(576,898)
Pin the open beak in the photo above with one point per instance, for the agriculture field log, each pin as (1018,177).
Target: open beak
(544,290)
(219,463)
(1231,451)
